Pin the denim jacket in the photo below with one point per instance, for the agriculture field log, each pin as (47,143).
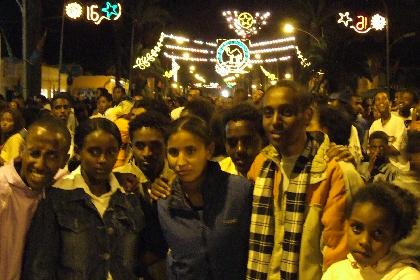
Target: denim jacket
(69,240)
(212,243)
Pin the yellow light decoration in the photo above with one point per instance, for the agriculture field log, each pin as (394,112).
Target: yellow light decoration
(272,42)
(270,50)
(303,61)
(378,22)
(269,75)
(185,58)
(363,24)
(172,47)
(144,61)
(244,23)
(168,74)
(74,10)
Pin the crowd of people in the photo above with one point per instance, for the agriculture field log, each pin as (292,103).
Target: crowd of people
(274,184)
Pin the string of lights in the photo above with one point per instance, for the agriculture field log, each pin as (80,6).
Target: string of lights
(271,50)
(173,47)
(272,42)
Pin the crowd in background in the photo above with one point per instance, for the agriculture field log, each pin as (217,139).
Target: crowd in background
(274,184)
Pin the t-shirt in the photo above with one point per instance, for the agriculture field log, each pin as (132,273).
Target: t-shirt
(13,147)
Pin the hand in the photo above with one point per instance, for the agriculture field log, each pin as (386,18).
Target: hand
(161,188)
(340,153)
(372,160)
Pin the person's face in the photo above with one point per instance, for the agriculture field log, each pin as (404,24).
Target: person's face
(378,146)
(356,104)
(242,144)
(148,146)
(13,105)
(192,93)
(382,103)
(135,112)
(42,156)
(407,99)
(370,233)
(103,104)
(98,156)
(187,156)
(117,95)
(284,122)
(6,122)
(60,109)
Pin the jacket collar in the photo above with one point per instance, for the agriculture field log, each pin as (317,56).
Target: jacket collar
(319,164)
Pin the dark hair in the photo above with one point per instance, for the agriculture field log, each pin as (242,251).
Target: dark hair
(381,90)
(150,104)
(62,95)
(243,112)
(102,90)
(150,119)
(400,205)
(193,125)
(301,96)
(107,96)
(120,87)
(413,143)
(379,135)
(17,118)
(51,125)
(337,123)
(200,107)
(91,125)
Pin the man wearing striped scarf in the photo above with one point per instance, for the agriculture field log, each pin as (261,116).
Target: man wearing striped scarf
(298,206)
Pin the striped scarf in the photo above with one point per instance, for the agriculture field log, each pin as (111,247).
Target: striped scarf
(262,219)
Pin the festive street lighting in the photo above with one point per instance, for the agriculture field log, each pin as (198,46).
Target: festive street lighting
(289,28)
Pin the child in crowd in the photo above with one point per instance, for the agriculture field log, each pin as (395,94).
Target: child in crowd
(88,227)
(22,183)
(380,215)
(206,219)
(12,134)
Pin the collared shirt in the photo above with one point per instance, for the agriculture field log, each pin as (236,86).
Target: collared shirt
(75,181)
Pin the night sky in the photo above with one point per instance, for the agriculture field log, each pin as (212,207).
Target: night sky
(91,46)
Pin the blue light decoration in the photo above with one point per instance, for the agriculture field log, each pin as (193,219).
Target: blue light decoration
(110,10)
(232,56)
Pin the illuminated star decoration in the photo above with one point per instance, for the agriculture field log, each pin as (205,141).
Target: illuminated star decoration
(345,18)
(244,23)
(108,11)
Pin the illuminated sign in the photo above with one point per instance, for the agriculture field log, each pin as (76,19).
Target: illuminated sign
(362,24)
(109,11)
(232,56)
(144,61)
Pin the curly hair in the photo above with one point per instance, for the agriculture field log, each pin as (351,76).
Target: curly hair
(152,119)
(400,205)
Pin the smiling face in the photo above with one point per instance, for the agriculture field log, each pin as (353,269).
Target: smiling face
(42,156)
(370,233)
(283,121)
(149,150)
(187,156)
(382,104)
(98,156)
(243,143)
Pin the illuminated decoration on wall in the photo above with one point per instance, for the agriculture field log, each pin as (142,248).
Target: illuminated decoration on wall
(144,61)
(363,24)
(244,23)
(168,74)
(74,10)
(303,61)
(269,75)
(199,78)
(93,12)
(232,56)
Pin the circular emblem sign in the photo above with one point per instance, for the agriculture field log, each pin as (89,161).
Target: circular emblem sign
(232,56)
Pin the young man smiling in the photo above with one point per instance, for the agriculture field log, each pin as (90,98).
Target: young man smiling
(22,183)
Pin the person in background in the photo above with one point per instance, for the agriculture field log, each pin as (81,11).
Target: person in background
(121,104)
(243,136)
(192,93)
(378,167)
(103,103)
(239,95)
(22,185)
(12,127)
(206,219)
(200,107)
(87,227)
(379,216)
(257,96)
(394,127)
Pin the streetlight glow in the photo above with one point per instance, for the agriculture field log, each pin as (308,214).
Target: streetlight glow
(288,28)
